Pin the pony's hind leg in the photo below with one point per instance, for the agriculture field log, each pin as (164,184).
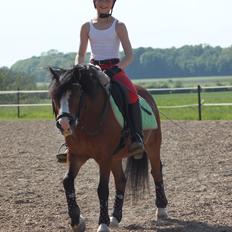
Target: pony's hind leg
(77,221)
(153,149)
(161,200)
(120,184)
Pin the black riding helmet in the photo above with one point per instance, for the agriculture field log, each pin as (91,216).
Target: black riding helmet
(105,15)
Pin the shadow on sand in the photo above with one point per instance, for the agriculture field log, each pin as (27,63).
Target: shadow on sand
(174,225)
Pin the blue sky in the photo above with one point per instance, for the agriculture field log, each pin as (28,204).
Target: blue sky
(30,27)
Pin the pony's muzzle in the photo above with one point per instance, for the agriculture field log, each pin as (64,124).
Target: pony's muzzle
(66,124)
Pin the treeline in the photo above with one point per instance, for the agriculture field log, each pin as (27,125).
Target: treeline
(37,66)
(11,80)
(199,60)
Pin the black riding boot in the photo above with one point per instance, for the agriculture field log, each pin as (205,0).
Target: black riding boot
(136,147)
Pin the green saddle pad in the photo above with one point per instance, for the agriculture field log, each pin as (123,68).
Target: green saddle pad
(148,118)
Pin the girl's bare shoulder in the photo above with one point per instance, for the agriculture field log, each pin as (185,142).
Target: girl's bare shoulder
(120,26)
(85,26)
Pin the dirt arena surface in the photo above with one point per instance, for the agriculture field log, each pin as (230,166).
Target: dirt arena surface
(197,159)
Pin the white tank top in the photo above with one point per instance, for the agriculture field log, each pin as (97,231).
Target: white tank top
(104,43)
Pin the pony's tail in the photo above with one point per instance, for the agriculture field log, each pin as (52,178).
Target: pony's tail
(137,176)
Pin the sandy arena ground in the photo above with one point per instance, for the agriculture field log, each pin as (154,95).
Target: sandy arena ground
(197,159)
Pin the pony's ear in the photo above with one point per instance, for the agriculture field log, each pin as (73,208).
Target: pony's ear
(56,72)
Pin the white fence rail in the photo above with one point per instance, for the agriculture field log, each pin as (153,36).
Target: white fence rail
(22,91)
(21,105)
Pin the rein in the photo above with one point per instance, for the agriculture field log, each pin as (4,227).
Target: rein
(103,114)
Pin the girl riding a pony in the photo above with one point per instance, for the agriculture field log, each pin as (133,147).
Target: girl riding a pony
(105,33)
(71,89)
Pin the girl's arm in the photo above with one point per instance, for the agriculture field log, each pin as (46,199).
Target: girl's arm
(80,57)
(125,41)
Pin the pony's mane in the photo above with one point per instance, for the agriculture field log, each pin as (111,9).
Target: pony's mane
(85,75)
(89,78)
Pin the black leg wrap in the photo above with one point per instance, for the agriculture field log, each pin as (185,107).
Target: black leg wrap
(73,209)
(104,216)
(103,194)
(161,200)
(118,204)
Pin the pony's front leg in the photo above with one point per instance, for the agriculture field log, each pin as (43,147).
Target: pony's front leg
(77,221)
(103,195)
(120,184)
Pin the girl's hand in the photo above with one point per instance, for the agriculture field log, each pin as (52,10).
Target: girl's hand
(112,71)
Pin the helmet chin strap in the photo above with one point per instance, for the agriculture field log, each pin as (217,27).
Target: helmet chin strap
(104,15)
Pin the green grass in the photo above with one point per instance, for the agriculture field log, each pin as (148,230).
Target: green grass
(11,113)
(188,113)
(191,113)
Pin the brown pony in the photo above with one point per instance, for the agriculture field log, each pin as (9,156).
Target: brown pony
(85,117)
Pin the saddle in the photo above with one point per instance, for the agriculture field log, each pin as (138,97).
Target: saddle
(119,104)
(117,93)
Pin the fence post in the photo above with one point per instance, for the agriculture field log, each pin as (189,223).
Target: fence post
(199,101)
(18,101)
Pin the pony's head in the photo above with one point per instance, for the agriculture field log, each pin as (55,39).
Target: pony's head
(68,89)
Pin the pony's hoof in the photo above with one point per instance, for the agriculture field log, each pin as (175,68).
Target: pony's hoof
(103,228)
(161,214)
(80,227)
(114,222)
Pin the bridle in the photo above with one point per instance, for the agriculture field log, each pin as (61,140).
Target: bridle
(76,119)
